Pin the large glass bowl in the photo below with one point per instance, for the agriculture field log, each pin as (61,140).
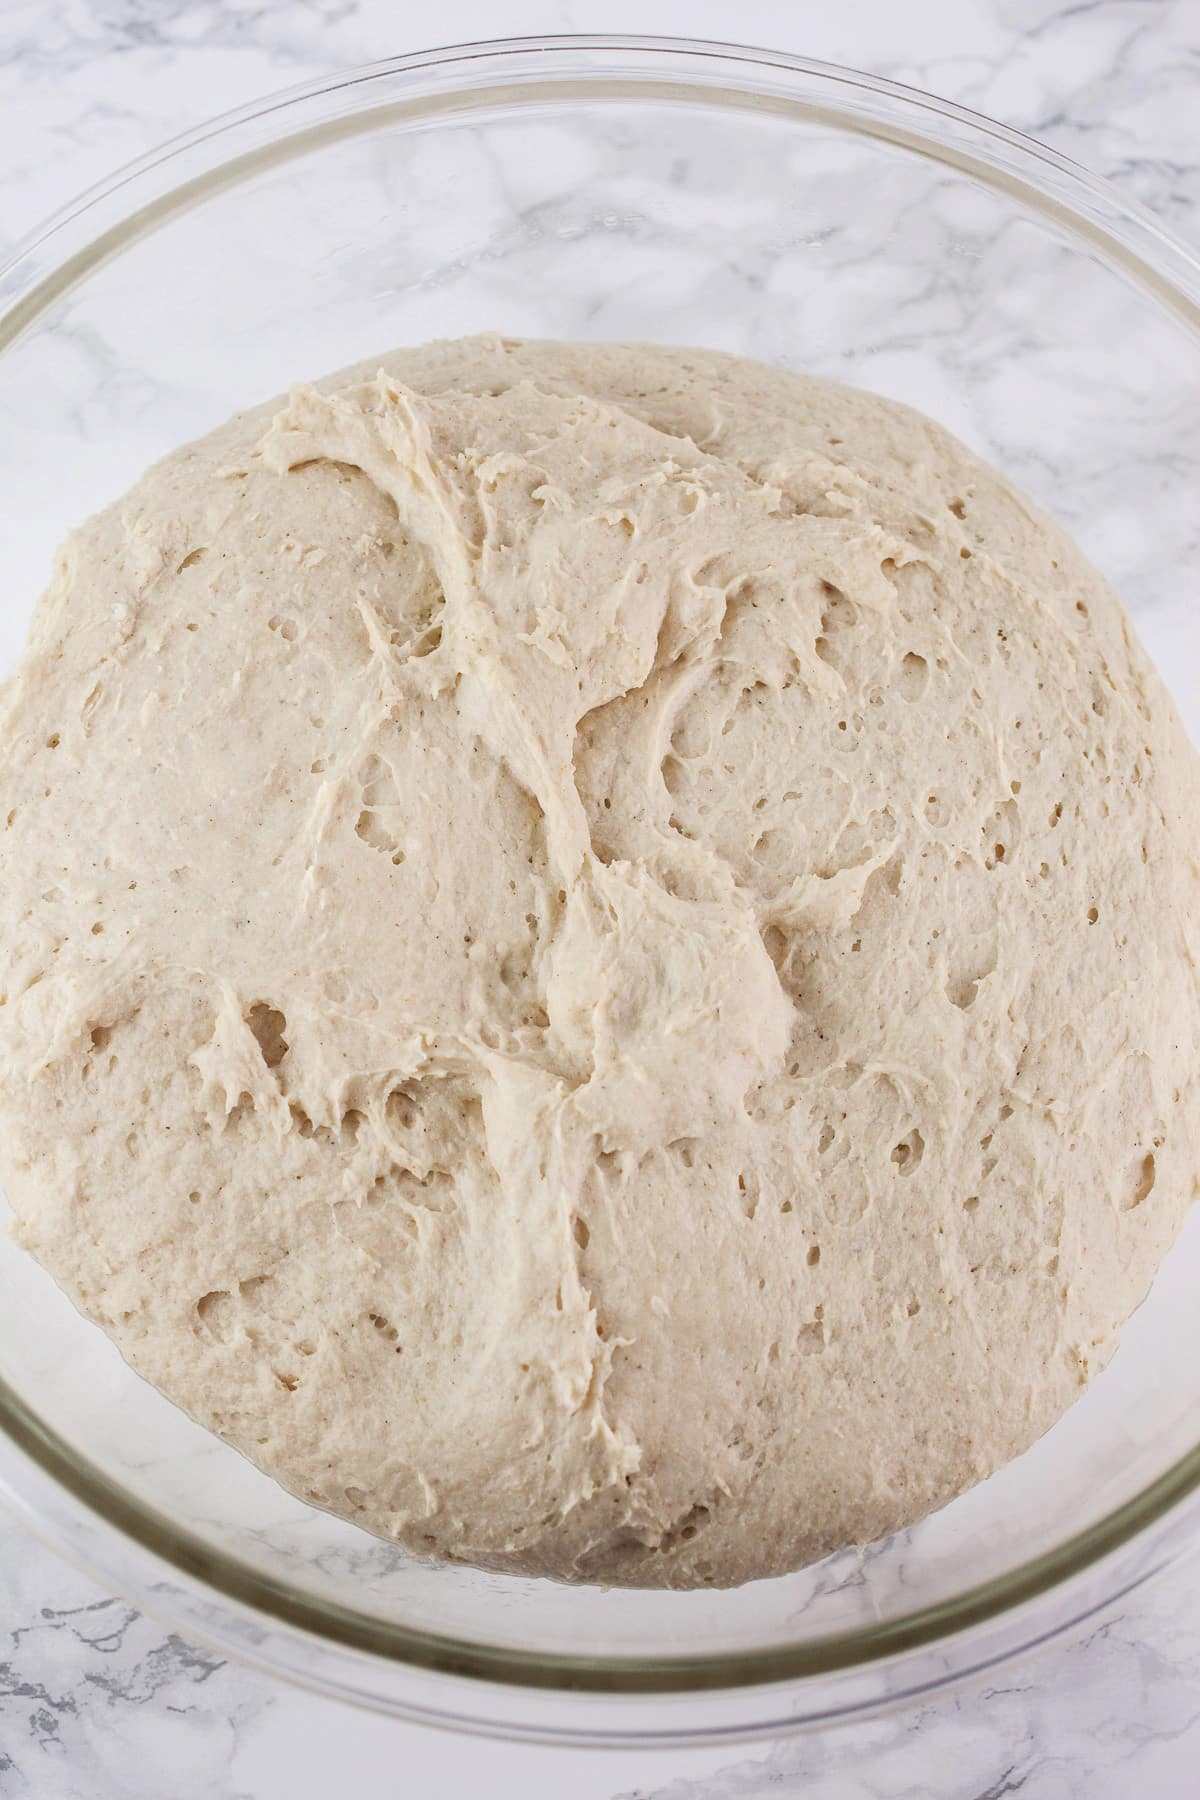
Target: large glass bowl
(602,188)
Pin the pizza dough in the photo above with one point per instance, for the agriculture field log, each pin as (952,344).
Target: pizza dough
(601,956)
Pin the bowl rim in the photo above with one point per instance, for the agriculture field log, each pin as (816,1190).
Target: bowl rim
(421,87)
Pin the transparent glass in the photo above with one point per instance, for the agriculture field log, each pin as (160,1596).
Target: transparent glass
(600,188)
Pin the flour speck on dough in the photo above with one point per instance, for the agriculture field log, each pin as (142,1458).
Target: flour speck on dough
(601,956)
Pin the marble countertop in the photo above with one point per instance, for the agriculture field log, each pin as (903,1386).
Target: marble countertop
(97,1702)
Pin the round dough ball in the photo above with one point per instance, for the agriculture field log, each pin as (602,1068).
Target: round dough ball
(601,956)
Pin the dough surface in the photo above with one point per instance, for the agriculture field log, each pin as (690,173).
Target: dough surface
(600,949)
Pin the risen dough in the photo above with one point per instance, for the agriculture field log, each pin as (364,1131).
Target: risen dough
(601,949)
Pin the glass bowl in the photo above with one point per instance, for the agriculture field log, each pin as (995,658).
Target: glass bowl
(606,188)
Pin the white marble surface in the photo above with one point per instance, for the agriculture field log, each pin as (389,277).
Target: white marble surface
(98,1702)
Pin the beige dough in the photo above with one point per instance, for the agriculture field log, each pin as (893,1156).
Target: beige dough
(601,956)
